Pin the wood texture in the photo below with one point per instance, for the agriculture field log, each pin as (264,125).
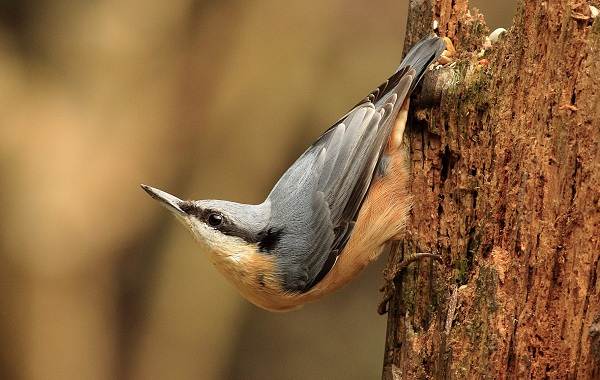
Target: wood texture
(507,173)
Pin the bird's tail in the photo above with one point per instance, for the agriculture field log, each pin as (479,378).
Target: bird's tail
(421,55)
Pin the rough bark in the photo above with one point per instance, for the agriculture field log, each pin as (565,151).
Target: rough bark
(507,176)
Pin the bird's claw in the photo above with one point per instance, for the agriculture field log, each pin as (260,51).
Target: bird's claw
(417,256)
(389,288)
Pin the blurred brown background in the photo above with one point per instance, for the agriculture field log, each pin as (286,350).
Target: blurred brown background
(206,99)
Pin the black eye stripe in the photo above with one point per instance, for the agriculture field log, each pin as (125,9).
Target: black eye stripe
(266,240)
(191,209)
(200,213)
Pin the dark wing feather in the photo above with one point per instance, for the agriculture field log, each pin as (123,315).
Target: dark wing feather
(317,200)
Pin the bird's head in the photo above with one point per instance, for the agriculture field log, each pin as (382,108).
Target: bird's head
(239,242)
(228,229)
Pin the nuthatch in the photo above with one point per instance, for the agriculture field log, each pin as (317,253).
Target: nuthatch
(330,214)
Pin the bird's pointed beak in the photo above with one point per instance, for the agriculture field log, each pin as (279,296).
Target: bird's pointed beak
(171,202)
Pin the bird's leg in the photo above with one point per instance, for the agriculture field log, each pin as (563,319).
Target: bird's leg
(389,288)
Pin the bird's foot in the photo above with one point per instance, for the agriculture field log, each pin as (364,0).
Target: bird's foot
(417,256)
(390,275)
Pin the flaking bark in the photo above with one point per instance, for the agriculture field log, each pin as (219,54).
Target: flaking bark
(506,173)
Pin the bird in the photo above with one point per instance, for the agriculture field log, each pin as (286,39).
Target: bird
(330,214)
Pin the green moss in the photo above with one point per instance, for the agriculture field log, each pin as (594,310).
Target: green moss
(439,293)
(478,29)
(486,284)
(477,90)
(472,93)
(484,304)
(409,297)
(469,97)
(478,328)
(461,271)
(476,33)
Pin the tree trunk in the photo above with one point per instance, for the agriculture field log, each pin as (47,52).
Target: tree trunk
(506,177)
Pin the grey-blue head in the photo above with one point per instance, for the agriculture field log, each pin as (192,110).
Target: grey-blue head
(225,228)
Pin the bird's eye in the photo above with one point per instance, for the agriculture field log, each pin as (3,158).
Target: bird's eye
(215,219)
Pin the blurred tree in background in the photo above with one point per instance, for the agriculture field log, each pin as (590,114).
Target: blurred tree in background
(206,99)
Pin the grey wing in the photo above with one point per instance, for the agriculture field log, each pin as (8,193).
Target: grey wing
(317,200)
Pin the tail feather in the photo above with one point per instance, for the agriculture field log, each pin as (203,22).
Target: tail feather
(421,55)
